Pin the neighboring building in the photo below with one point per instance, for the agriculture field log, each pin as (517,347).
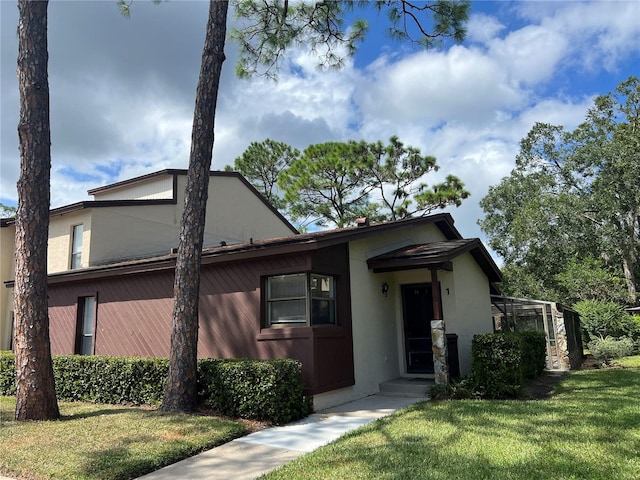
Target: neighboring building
(140,218)
(354,305)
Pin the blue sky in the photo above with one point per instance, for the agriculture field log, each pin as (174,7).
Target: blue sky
(122,91)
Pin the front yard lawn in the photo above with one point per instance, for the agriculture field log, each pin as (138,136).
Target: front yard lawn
(590,429)
(104,442)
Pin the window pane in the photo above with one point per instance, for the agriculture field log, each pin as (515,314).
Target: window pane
(323,312)
(321,286)
(76,260)
(85,348)
(288,311)
(87,316)
(287,286)
(76,246)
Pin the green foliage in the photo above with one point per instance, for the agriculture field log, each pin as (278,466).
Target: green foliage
(501,361)
(590,279)
(395,172)
(454,390)
(604,350)
(261,164)
(496,365)
(6,211)
(265,390)
(329,182)
(336,183)
(266,29)
(270,390)
(606,319)
(567,216)
(7,373)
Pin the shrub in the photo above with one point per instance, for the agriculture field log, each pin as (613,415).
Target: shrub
(260,389)
(7,374)
(500,362)
(604,350)
(455,390)
(270,390)
(606,319)
(496,364)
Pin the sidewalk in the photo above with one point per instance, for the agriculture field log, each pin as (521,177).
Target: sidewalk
(248,457)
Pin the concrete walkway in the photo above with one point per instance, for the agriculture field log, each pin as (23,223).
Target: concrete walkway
(248,457)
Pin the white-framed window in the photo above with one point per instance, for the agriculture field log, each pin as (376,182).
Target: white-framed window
(300,299)
(76,246)
(86,325)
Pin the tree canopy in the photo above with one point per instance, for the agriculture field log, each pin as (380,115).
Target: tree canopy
(572,204)
(261,163)
(335,183)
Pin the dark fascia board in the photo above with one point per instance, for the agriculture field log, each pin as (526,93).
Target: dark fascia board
(75,207)
(134,180)
(474,246)
(176,172)
(246,251)
(123,203)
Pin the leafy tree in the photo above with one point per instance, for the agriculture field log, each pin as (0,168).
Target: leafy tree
(35,385)
(261,163)
(267,29)
(573,196)
(601,319)
(6,210)
(395,172)
(590,279)
(338,182)
(329,182)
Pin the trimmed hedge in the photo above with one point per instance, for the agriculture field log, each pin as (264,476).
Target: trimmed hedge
(501,361)
(267,389)
(270,390)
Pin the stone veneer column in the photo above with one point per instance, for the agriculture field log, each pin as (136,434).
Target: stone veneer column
(438,335)
(439,341)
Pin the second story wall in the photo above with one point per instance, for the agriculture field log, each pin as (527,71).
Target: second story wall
(61,241)
(236,213)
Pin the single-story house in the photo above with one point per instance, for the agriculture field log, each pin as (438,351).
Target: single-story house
(353,305)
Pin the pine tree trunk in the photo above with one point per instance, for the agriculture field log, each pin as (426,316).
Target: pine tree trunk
(36,395)
(181,390)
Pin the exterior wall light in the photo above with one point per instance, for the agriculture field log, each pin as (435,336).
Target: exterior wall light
(385,289)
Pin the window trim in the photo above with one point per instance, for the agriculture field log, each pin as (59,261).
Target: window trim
(75,257)
(308,300)
(80,324)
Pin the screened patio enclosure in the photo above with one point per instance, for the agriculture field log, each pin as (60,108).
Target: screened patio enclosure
(560,324)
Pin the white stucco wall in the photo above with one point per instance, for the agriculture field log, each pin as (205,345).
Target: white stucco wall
(235,214)
(473,307)
(377,347)
(378,330)
(151,189)
(60,236)
(121,233)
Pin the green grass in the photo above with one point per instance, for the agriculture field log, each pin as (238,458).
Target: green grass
(104,442)
(590,429)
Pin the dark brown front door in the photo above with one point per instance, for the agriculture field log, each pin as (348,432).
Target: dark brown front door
(417,306)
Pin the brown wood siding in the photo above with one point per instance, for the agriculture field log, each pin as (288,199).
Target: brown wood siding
(134,316)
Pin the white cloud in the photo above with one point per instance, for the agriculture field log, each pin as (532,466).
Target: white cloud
(482,28)
(122,92)
(461,84)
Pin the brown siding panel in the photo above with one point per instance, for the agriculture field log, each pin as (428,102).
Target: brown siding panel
(134,316)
